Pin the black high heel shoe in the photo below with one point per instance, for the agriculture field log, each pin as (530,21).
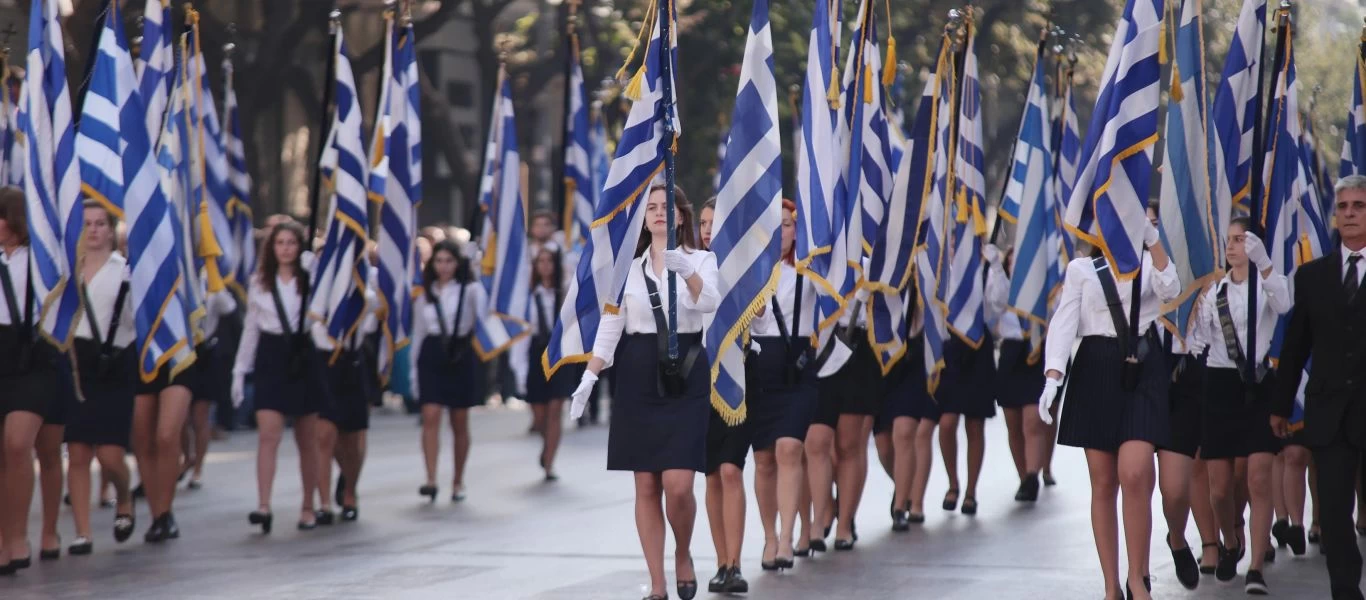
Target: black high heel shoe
(687,589)
(901,521)
(264,519)
(970,505)
(324,517)
(816,546)
(349,513)
(951,499)
(844,545)
(82,547)
(769,565)
(429,491)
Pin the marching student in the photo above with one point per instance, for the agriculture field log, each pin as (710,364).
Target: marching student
(660,407)
(1019,377)
(1237,402)
(1117,405)
(214,375)
(895,430)
(446,373)
(107,369)
(279,354)
(966,393)
(546,394)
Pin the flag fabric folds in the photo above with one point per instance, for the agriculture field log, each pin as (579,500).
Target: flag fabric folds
(600,277)
(746,235)
(175,160)
(239,187)
(578,155)
(505,269)
(155,65)
(818,223)
(966,317)
(933,250)
(1233,115)
(208,172)
(1186,208)
(1354,138)
(1068,156)
(1109,202)
(52,176)
(106,112)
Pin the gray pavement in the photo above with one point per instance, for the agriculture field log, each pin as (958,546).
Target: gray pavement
(518,538)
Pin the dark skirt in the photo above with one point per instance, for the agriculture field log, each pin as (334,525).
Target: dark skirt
(454,384)
(1018,383)
(105,418)
(347,399)
(1234,425)
(967,386)
(189,378)
(777,408)
(539,388)
(726,444)
(649,433)
(905,387)
(1098,414)
(213,375)
(35,389)
(856,389)
(292,394)
(1188,388)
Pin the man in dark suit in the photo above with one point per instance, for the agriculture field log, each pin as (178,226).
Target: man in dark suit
(1328,324)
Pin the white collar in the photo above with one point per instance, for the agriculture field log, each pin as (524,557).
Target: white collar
(1347,253)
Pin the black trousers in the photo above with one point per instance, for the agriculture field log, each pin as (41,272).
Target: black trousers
(1338,464)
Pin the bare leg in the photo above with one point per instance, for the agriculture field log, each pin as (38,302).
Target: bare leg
(1174,471)
(789,457)
(306,440)
(351,458)
(78,484)
(886,455)
(460,427)
(552,429)
(852,440)
(49,447)
(948,448)
(766,496)
(716,518)
(1221,497)
(1103,468)
(733,507)
(650,527)
(114,467)
(431,439)
(681,507)
(1137,478)
(820,443)
(21,433)
(1038,441)
(977,448)
(1296,467)
(803,505)
(1203,512)
(1015,435)
(903,468)
(144,446)
(200,419)
(270,429)
(1259,467)
(325,448)
(173,407)
(924,463)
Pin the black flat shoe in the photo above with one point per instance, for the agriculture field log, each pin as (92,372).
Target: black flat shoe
(901,521)
(1280,530)
(1254,584)
(264,519)
(1048,480)
(45,555)
(1228,564)
(1270,555)
(970,506)
(816,546)
(21,563)
(349,513)
(655,597)
(735,583)
(6,570)
(1029,489)
(172,530)
(1206,569)
(1295,539)
(687,589)
(786,563)
(951,499)
(429,491)
(82,547)
(156,533)
(844,545)
(458,496)
(915,518)
(306,526)
(717,584)
(802,553)
(1187,569)
(123,527)
(324,517)
(1314,536)
(139,492)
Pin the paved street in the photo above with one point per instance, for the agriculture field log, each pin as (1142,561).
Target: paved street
(517,537)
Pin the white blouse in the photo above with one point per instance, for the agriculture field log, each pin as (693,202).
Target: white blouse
(547,298)
(766,324)
(17,263)
(103,292)
(1082,310)
(1273,300)
(635,315)
(1007,325)
(263,318)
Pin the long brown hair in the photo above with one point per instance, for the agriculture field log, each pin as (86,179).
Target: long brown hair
(270,265)
(15,212)
(686,235)
(789,257)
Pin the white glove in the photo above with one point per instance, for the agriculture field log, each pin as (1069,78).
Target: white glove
(676,261)
(861,295)
(581,393)
(1151,236)
(321,341)
(1050,392)
(1256,251)
(992,254)
(239,393)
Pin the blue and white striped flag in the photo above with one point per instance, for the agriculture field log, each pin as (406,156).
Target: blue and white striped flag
(746,237)
(392,178)
(208,172)
(966,318)
(175,161)
(52,179)
(341,273)
(817,224)
(1354,138)
(933,253)
(1068,151)
(1109,203)
(578,155)
(11,168)
(239,187)
(606,260)
(155,65)
(505,270)
(868,179)
(1032,190)
(107,117)
(1186,207)
(1319,178)
(1234,115)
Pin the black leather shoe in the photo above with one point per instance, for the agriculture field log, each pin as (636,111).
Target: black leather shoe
(735,583)
(1254,584)
(687,589)
(1187,570)
(1314,536)
(817,546)
(172,530)
(844,545)
(46,555)
(324,517)
(1029,489)
(264,519)
(82,547)
(1270,555)
(156,533)
(306,526)
(21,563)
(429,491)
(1208,569)
(1280,530)
(969,505)
(717,584)
(1295,538)
(915,518)
(349,513)
(338,496)
(6,570)
(901,521)
(951,499)
(123,527)
(1228,564)
(785,563)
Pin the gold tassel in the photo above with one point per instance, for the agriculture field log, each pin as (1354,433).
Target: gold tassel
(633,88)
(889,65)
(490,262)
(209,249)
(979,221)
(1162,34)
(961,205)
(833,94)
(1178,93)
(867,86)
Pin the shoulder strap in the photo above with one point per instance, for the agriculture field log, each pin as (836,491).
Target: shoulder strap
(797,307)
(11,300)
(1107,285)
(115,317)
(280,308)
(459,310)
(90,316)
(657,307)
(435,301)
(541,325)
(1231,341)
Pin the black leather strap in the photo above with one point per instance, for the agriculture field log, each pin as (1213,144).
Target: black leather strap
(11,299)
(673,373)
(1126,333)
(449,335)
(542,327)
(1232,343)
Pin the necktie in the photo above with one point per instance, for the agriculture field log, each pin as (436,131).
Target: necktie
(1353,279)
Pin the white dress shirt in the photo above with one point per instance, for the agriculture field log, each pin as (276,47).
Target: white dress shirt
(1005,324)
(103,292)
(1361,264)
(547,298)
(17,263)
(448,296)
(263,318)
(1082,310)
(766,324)
(635,315)
(1273,300)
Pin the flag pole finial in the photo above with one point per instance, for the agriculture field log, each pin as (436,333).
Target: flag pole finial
(333,21)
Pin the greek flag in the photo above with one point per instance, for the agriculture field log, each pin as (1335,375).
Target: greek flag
(505,270)
(175,160)
(817,222)
(52,177)
(393,175)
(155,64)
(1109,202)
(1031,189)
(1319,178)
(239,186)
(1354,138)
(746,235)
(1068,149)
(933,253)
(965,302)
(105,116)
(208,172)
(341,273)
(578,153)
(1233,115)
(720,160)
(606,260)
(1186,208)
(871,158)
(11,169)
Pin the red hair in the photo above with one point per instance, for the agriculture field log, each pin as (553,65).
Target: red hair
(790,257)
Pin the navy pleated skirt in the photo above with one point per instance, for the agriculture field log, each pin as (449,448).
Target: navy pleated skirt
(1018,383)
(1234,424)
(777,408)
(105,418)
(1098,414)
(541,389)
(348,390)
(906,391)
(856,389)
(453,384)
(37,387)
(277,387)
(967,386)
(1187,393)
(649,433)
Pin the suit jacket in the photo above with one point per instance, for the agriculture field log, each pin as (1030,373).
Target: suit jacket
(1330,329)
